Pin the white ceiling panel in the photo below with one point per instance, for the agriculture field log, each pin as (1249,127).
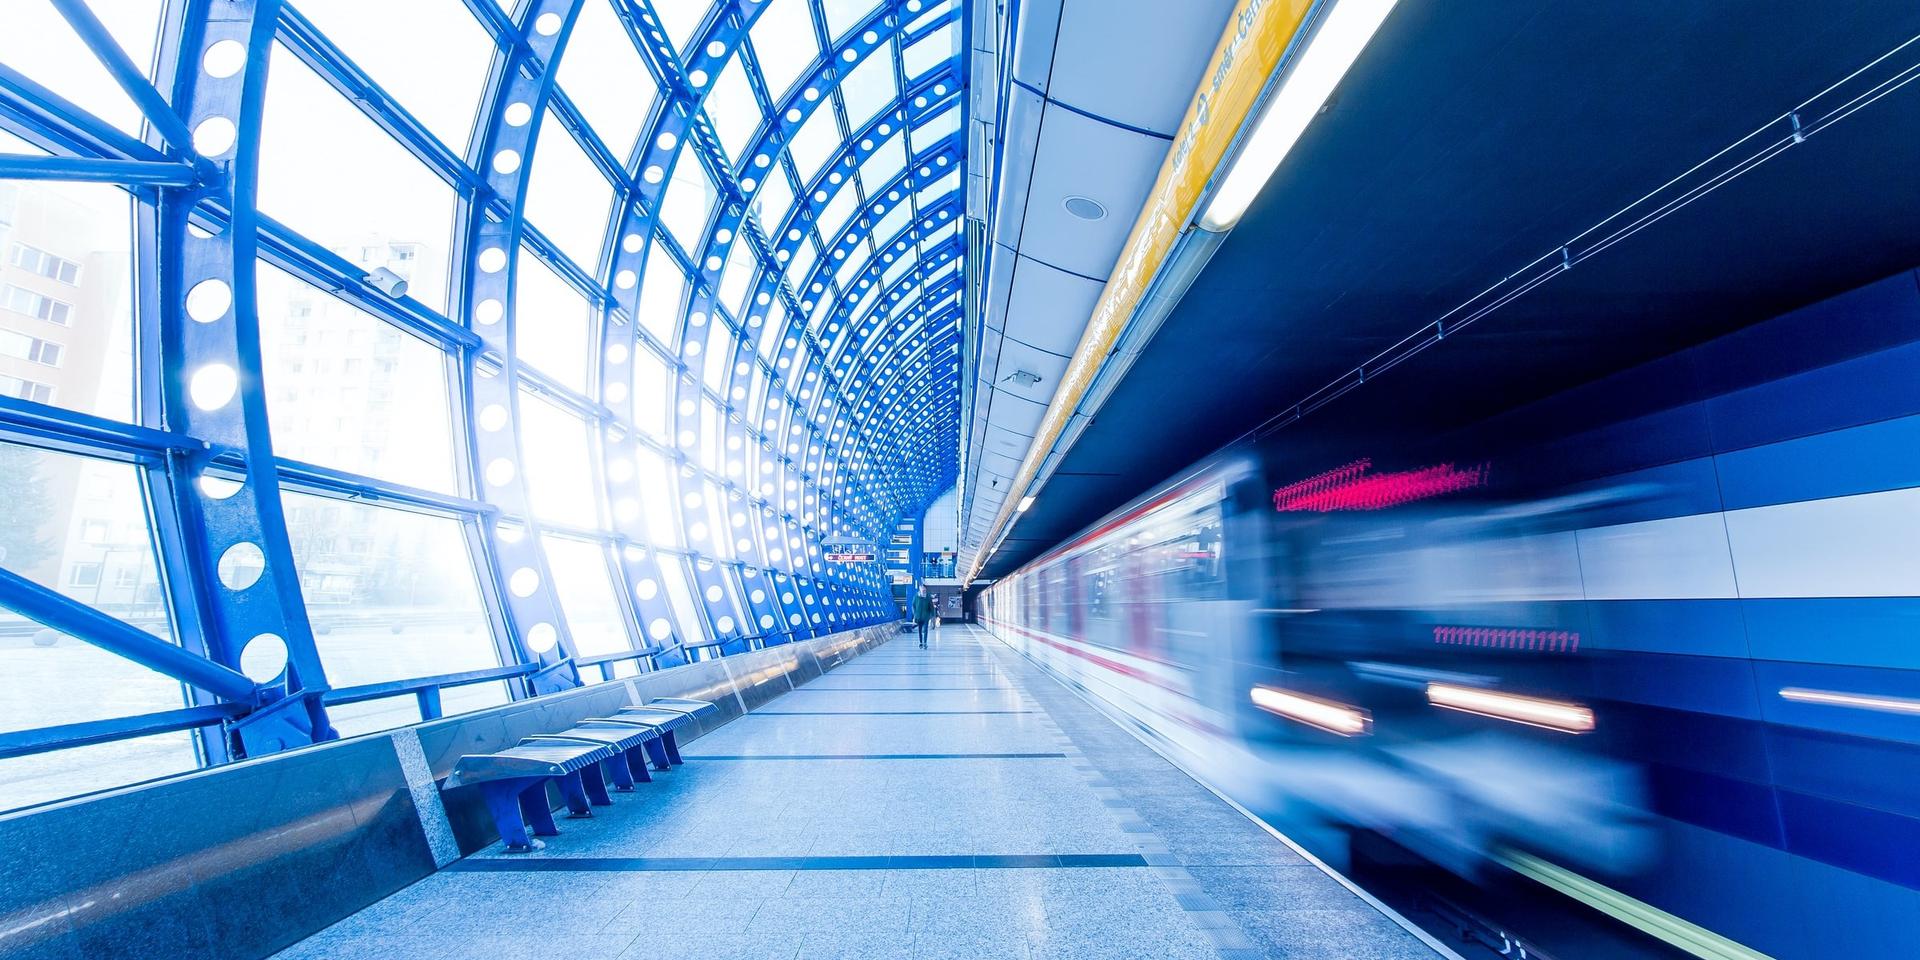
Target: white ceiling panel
(1021,138)
(1034,43)
(1083,157)
(1049,308)
(1135,61)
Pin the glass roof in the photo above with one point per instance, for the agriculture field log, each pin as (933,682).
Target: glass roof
(682,290)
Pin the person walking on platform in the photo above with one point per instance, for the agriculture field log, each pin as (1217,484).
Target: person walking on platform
(922,614)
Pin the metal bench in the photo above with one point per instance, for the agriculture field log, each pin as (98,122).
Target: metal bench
(687,708)
(514,784)
(629,761)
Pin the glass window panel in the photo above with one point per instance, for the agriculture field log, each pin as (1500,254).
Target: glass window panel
(602,73)
(935,129)
(774,329)
(660,295)
(869,88)
(392,595)
(70,334)
(687,616)
(382,207)
(681,18)
(584,581)
(930,13)
(79,526)
(850,267)
(655,475)
(775,198)
(552,323)
(350,391)
(818,138)
(801,264)
(931,50)
(836,213)
(39,44)
(556,456)
(937,191)
(738,278)
(688,202)
(884,164)
(650,385)
(710,420)
(899,267)
(732,108)
(719,356)
(843,15)
(568,198)
(936,237)
(891,224)
(430,55)
(784,44)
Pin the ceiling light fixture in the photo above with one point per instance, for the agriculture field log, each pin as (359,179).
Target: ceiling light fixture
(1336,43)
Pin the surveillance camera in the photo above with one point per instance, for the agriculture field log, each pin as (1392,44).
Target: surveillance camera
(387,282)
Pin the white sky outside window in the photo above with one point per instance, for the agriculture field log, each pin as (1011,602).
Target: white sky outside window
(899,267)
(582,578)
(350,391)
(936,237)
(568,198)
(934,129)
(738,278)
(843,15)
(818,138)
(660,294)
(657,502)
(885,163)
(719,356)
(774,199)
(680,18)
(37,42)
(933,192)
(930,13)
(380,196)
(687,622)
(558,462)
(734,111)
(931,50)
(650,382)
(783,41)
(429,55)
(804,255)
(869,88)
(773,329)
(688,201)
(891,224)
(601,71)
(552,323)
(836,212)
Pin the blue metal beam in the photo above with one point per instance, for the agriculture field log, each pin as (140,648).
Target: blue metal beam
(22,743)
(78,620)
(15,166)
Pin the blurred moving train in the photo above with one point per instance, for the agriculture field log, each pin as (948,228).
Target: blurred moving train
(1649,648)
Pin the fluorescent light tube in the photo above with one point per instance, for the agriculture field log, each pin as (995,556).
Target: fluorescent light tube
(1328,715)
(1532,711)
(1025,502)
(1332,49)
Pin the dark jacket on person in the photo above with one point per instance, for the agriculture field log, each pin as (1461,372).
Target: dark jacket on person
(922,608)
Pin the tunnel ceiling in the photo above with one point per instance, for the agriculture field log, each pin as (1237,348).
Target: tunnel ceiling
(682,288)
(1464,150)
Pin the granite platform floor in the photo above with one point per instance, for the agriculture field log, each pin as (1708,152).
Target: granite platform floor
(954,802)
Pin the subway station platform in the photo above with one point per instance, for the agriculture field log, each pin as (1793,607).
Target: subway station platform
(949,802)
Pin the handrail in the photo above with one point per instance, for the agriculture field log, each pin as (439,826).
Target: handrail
(21,743)
(392,688)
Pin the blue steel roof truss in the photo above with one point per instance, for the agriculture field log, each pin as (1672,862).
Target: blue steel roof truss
(852,422)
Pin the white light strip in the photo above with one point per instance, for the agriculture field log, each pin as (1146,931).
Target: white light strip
(1330,52)
(1326,714)
(1532,711)
(1025,503)
(1859,701)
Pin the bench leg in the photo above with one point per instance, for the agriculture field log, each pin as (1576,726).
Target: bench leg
(657,749)
(637,763)
(502,802)
(575,793)
(533,804)
(621,774)
(673,747)
(594,778)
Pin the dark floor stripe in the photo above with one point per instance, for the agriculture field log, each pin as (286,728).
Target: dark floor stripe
(822,688)
(880,713)
(878,756)
(647,864)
